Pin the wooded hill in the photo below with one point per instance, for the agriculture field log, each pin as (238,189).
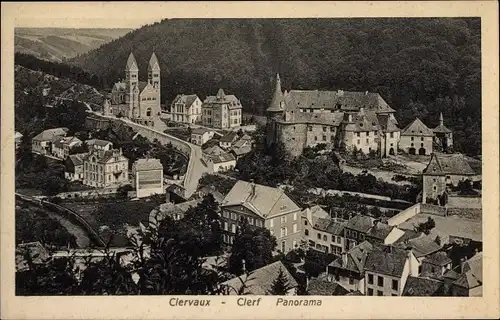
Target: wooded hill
(420,66)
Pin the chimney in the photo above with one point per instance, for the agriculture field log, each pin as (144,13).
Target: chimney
(252,188)
(344,259)
(309,214)
(349,117)
(243,266)
(410,264)
(462,265)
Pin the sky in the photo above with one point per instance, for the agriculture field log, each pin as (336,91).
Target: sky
(132,23)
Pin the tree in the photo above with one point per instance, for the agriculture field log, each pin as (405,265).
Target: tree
(280,285)
(254,245)
(426,226)
(82,148)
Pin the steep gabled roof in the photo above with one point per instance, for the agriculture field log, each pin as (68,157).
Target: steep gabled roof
(229,137)
(448,164)
(417,128)
(263,200)
(98,142)
(153,63)
(423,287)
(387,124)
(438,258)
(277,102)
(51,134)
(472,274)
(186,99)
(360,223)
(386,260)
(318,287)
(441,129)
(131,63)
(356,258)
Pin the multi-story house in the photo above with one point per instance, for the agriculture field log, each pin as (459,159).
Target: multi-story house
(417,138)
(147,177)
(227,140)
(74,167)
(263,207)
(186,109)
(338,119)
(221,111)
(435,265)
(349,268)
(322,232)
(442,172)
(386,270)
(200,136)
(104,169)
(360,228)
(137,100)
(220,163)
(469,281)
(98,144)
(42,142)
(61,146)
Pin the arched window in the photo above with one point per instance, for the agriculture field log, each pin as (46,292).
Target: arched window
(148,112)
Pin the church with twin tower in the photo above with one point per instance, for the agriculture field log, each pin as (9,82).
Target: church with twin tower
(134,99)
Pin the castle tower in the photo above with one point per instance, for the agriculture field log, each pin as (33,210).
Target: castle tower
(275,112)
(132,85)
(154,71)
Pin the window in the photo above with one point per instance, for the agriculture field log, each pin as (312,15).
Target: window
(250,221)
(332,138)
(284,232)
(370,292)
(324,129)
(368,133)
(333,238)
(226,227)
(370,278)
(367,141)
(271,223)
(233,228)
(422,145)
(358,141)
(294,243)
(283,220)
(347,232)
(339,240)
(392,134)
(358,134)
(294,227)
(394,295)
(305,222)
(422,139)
(394,284)
(315,138)
(351,281)
(411,138)
(354,234)
(325,238)
(310,128)
(361,237)
(306,232)
(324,138)
(294,216)
(319,236)
(380,293)
(380,281)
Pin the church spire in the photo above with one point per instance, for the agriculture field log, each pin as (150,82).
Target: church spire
(277,101)
(441,122)
(153,63)
(131,63)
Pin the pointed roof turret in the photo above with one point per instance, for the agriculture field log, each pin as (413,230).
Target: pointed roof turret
(131,63)
(153,63)
(278,98)
(441,127)
(220,94)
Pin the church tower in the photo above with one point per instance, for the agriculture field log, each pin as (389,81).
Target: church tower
(132,86)
(275,112)
(154,71)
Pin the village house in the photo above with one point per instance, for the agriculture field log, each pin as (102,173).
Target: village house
(360,228)
(185,109)
(214,150)
(147,177)
(17,139)
(469,282)
(221,111)
(98,144)
(386,270)
(227,140)
(220,163)
(262,206)
(423,287)
(74,167)
(42,142)
(417,138)
(321,287)
(260,281)
(200,136)
(443,172)
(435,265)
(339,119)
(349,269)
(61,146)
(134,99)
(104,169)
(322,232)
(175,211)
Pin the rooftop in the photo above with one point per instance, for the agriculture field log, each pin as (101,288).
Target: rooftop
(417,128)
(259,281)
(223,157)
(98,142)
(439,258)
(387,260)
(229,137)
(222,98)
(317,287)
(186,99)
(355,259)
(472,273)
(200,131)
(448,164)
(50,134)
(360,223)
(420,287)
(262,200)
(147,164)
(329,225)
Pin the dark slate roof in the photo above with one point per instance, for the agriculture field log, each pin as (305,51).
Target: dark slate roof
(220,98)
(356,258)
(186,99)
(278,98)
(448,164)
(423,287)
(50,134)
(77,159)
(326,118)
(142,85)
(200,131)
(229,137)
(472,275)
(347,100)
(439,258)
(131,63)
(360,223)
(242,150)
(119,86)
(364,121)
(329,225)
(224,157)
(317,287)
(380,231)
(98,142)
(387,124)
(441,129)
(417,128)
(386,260)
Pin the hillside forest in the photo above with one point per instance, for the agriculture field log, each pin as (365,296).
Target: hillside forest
(421,67)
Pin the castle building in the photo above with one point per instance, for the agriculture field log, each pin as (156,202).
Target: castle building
(134,99)
(339,119)
(443,137)
(104,169)
(221,111)
(417,138)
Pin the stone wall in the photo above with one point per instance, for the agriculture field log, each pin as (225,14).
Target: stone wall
(293,136)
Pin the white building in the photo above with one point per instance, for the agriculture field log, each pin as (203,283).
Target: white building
(98,144)
(147,177)
(185,109)
(220,163)
(201,135)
